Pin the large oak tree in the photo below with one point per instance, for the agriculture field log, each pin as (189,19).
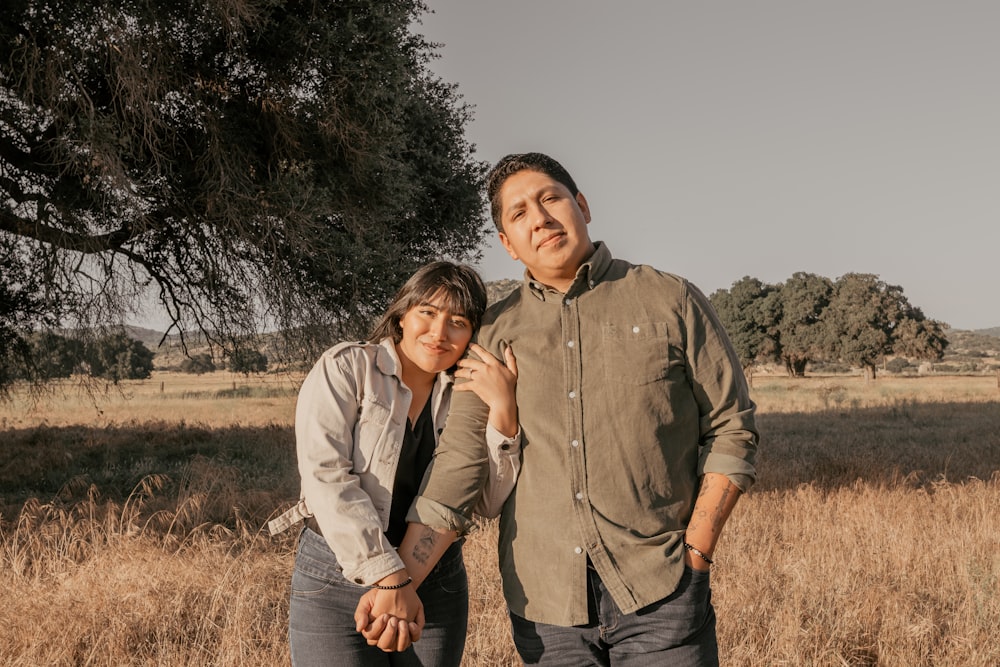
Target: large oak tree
(868,319)
(804,297)
(750,310)
(244,164)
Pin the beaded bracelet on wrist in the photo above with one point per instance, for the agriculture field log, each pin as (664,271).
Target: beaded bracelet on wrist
(698,552)
(409,580)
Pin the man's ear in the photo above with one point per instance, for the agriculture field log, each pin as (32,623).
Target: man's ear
(508,247)
(584,206)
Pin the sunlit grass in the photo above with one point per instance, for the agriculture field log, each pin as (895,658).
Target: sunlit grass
(131,530)
(217,399)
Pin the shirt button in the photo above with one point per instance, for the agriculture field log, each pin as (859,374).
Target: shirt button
(579,496)
(572,394)
(591,283)
(635,329)
(575,443)
(570,344)
(567,302)
(578,550)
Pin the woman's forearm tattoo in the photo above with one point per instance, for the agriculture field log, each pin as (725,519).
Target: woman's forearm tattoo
(424,547)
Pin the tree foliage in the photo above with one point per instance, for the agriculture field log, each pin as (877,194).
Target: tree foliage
(750,311)
(247,361)
(860,319)
(856,319)
(198,364)
(118,357)
(55,356)
(244,164)
(804,298)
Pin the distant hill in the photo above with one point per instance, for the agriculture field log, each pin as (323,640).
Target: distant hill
(980,341)
(498,289)
(147,337)
(151,338)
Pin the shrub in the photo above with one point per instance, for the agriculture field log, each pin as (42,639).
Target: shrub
(247,361)
(118,357)
(198,364)
(897,365)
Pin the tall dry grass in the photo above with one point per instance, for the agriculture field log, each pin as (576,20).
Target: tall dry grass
(130,531)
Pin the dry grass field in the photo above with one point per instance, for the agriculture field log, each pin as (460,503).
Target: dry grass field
(131,527)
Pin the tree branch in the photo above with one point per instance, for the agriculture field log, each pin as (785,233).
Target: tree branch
(61,238)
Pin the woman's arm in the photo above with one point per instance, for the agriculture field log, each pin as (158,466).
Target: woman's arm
(327,412)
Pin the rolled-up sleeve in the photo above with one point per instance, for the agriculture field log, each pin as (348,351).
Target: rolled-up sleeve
(504,455)
(728,433)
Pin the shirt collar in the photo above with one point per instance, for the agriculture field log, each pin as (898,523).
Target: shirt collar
(588,276)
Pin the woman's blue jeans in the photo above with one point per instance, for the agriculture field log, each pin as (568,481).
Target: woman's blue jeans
(321,628)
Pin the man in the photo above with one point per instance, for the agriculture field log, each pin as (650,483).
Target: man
(638,437)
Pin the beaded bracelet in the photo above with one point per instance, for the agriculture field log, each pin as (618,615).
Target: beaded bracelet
(409,580)
(698,552)
(393,587)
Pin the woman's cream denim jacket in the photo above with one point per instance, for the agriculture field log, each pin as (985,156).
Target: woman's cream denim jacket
(349,422)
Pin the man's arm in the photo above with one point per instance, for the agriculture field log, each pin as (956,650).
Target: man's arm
(716,499)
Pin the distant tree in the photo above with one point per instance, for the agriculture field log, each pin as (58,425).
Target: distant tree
(749,311)
(897,365)
(198,364)
(118,357)
(918,337)
(247,361)
(248,164)
(800,330)
(54,355)
(868,319)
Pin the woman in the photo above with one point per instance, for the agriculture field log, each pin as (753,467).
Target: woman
(367,421)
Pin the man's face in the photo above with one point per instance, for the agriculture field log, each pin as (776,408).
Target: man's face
(545,227)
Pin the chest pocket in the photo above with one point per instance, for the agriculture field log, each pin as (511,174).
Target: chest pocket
(636,353)
(371,432)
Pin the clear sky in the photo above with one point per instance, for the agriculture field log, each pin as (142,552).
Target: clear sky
(723,139)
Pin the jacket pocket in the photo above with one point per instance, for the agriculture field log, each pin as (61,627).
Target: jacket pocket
(370,435)
(637,353)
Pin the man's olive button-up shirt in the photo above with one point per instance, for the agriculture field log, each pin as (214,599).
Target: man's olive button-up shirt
(632,369)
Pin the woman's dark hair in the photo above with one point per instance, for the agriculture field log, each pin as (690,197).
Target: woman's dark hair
(463,291)
(511,164)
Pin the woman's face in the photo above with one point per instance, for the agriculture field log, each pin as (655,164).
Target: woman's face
(434,337)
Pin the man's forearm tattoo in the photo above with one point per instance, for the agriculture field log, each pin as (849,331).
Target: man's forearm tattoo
(716,517)
(720,514)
